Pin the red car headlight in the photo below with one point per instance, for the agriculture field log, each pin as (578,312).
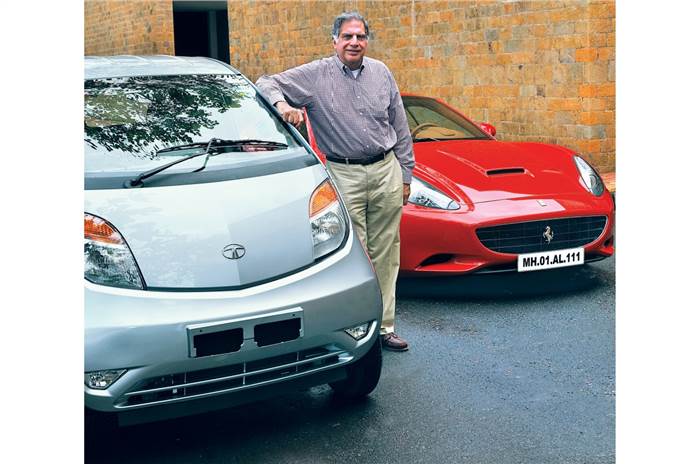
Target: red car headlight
(590,177)
(424,194)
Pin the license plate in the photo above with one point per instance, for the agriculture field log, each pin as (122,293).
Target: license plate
(550,259)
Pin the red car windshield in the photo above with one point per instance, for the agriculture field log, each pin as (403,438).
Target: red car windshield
(429,120)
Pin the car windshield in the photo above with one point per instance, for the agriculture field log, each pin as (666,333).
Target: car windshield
(130,122)
(429,120)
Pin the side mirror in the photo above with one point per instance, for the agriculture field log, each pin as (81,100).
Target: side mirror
(488,128)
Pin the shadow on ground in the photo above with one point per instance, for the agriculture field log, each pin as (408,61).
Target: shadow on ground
(508,285)
(232,434)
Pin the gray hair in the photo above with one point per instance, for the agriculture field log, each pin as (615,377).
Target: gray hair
(348,16)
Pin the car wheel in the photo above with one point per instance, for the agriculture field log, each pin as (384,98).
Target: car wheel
(363,375)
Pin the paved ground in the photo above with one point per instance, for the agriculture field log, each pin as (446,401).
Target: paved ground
(515,369)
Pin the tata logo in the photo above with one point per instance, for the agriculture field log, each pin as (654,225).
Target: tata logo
(548,234)
(233,251)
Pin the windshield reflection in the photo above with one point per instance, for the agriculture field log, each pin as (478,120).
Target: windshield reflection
(128,119)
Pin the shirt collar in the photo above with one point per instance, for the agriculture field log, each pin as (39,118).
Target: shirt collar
(344,68)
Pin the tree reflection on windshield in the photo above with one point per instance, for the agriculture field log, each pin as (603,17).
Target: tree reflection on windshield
(140,115)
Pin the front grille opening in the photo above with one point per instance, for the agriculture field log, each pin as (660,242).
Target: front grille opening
(214,373)
(157,396)
(437,259)
(529,237)
(277,332)
(182,384)
(499,172)
(213,387)
(271,362)
(158,382)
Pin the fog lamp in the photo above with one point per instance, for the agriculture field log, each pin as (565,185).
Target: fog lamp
(101,380)
(359,331)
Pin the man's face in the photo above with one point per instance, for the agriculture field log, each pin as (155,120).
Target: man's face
(349,48)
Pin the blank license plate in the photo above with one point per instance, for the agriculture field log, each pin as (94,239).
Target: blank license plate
(550,259)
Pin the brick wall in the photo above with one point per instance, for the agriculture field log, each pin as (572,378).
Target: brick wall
(538,70)
(139,27)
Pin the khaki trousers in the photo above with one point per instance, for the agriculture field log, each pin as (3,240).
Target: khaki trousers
(373,195)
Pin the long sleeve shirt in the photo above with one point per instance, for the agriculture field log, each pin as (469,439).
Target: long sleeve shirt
(352,117)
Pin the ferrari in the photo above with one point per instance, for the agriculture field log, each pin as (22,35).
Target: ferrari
(481,205)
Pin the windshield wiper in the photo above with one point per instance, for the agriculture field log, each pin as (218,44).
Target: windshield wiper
(215,144)
(225,143)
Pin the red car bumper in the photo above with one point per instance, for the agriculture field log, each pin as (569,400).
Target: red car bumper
(445,242)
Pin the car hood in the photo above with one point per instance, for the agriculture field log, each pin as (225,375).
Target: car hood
(489,170)
(178,233)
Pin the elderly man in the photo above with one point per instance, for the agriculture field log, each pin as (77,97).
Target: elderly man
(357,114)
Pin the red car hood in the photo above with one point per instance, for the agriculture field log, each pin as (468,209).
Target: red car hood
(489,170)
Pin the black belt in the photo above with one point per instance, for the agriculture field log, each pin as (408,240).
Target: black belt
(362,161)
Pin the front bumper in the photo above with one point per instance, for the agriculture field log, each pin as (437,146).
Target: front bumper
(435,242)
(150,334)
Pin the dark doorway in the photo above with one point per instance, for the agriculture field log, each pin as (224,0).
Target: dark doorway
(201,29)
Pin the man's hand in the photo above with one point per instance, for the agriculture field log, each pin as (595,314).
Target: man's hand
(406,193)
(291,115)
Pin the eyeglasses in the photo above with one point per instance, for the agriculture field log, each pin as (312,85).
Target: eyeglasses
(348,37)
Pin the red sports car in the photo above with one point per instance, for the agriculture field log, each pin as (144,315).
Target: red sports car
(481,205)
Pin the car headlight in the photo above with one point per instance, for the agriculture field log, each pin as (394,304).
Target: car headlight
(591,178)
(101,380)
(329,225)
(108,259)
(424,194)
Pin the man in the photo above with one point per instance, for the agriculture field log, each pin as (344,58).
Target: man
(357,114)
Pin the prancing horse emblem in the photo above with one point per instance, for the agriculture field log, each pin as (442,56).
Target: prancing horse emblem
(548,234)
(233,251)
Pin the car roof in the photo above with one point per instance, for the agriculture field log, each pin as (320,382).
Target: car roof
(100,67)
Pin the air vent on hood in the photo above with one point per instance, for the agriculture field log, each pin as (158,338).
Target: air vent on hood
(498,172)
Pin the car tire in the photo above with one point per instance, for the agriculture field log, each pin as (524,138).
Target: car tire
(363,375)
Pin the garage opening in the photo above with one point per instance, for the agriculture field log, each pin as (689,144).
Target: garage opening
(201,29)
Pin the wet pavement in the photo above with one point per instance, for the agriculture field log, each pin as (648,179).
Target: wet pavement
(516,368)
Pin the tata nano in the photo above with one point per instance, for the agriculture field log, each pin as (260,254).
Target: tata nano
(220,263)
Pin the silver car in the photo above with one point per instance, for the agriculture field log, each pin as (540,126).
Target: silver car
(220,263)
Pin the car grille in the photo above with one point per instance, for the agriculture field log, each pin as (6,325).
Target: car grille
(226,379)
(528,237)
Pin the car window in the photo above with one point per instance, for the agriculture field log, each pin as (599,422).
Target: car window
(431,120)
(128,119)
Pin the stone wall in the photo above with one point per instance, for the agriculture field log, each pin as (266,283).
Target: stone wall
(138,27)
(537,70)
